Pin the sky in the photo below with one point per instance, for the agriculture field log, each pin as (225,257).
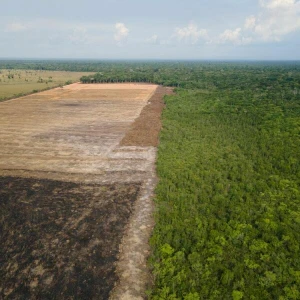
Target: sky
(157,29)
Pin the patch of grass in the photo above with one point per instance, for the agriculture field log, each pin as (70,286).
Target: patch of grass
(16,83)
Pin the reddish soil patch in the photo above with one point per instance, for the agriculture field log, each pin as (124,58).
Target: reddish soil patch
(145,130)
(60,240)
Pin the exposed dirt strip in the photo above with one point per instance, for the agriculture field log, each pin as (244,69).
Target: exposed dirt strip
(145,130)
(134,251)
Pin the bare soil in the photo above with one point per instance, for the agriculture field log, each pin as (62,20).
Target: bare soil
(73,130)
(145,130)
(75,202)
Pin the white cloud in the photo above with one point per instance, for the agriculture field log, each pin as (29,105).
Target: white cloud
(121,32)
(234,37)
(231,35)
(153,39)
(278,18)
(250,22)
(274,4)
(275,20)
(191,33)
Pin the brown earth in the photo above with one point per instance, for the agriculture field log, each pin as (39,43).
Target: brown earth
(74,130)
(145,130)
(73,198)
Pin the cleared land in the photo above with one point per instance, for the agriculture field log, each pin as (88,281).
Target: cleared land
(14,83)
(71,194)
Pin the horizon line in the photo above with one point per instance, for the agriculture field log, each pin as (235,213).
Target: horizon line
(147,59)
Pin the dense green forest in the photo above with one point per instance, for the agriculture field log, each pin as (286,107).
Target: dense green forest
(228,221)
(185,74)
(228,198)
(228,224)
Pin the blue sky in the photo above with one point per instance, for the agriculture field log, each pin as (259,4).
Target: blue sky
(165,29)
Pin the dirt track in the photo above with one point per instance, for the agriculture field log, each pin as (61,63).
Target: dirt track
(72,195)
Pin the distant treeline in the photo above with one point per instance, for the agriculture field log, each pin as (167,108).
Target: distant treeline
(185,74)
(200,75)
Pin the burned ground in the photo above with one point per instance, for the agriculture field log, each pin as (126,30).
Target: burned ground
(60,240)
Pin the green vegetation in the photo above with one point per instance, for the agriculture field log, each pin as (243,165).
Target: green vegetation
(228,199)
(228,221)
(19,82)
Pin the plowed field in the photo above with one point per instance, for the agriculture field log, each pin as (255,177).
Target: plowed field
(73,198)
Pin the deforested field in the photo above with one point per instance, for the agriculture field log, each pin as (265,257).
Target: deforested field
(70,190)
